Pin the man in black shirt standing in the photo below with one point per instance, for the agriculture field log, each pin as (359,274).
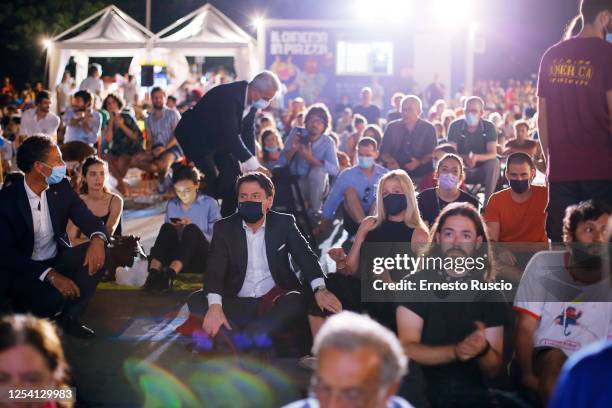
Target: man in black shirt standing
(371,112)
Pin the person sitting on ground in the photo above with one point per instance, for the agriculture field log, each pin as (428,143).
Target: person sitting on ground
(272,147)
(354,189)
(349,144)
(449,175)
(250,289)
(40,119)
(183,240)
(396,112)
(31,356)
(374,132)
(360,364)
(366,108)
(83,123)
(124,138)
(408,143)
(522,143)
(563,301)
(164,149)
(516,216)
(311,154)
(344,121)
(96,195)
(45,274)
(428,181)
(458,344)
(476,141)
(397,220)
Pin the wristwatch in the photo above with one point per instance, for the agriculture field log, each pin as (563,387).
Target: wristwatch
(318,288)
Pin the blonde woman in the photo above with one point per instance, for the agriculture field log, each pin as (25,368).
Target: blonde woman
(397,219)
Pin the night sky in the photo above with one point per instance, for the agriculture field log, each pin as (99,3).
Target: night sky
(516,32)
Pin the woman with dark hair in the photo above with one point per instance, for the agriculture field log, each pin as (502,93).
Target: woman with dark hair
(272,146)
(105,205)
(31,357)
(182,243)
(124,138)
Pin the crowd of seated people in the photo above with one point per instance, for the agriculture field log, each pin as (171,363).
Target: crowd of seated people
(418,180)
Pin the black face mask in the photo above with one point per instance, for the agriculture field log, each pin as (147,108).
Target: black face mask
(519,186)
(583,259)
(395,203)
(250,211)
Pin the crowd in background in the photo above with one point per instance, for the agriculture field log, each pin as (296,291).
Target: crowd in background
(434,172)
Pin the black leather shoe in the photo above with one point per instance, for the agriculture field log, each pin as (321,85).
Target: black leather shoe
(76,329)
(166,280)
(152,281)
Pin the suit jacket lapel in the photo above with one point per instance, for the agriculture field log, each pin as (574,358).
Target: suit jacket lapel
(271,246)
(52,204)
(24,207)
(241,246)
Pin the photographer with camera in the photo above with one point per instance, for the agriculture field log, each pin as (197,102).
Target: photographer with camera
(311,154)
(82,122)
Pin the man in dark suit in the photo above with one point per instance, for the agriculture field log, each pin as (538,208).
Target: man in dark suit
(218,135)
(40,271)
(249,286)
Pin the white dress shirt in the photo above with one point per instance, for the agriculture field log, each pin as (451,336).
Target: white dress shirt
(258,279)
(45,246)
(31,125)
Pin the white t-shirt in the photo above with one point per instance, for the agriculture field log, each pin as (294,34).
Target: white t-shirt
(566,325)
(30,125)
(93,85)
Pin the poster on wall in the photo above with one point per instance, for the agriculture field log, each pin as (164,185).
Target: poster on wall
(304,60)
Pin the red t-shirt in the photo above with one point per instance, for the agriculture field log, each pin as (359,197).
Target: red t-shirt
(574,77)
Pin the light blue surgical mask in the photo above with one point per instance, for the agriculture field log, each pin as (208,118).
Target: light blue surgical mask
(261,104)
(471,119)
(365,162)
(58,173)
(274,149)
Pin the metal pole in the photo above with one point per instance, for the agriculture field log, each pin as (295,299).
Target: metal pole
(148,18)
(469,60)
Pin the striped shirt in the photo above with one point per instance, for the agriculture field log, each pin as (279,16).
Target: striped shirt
(161,131)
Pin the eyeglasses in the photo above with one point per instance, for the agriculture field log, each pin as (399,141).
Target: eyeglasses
(366,194)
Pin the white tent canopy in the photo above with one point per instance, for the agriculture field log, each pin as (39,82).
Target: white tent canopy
(204,32)
(114,34)
(210,33)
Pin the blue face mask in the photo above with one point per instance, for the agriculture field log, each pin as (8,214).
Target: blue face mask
(260,104)
(365,162)
(471,119)
(272,149)
(58,173)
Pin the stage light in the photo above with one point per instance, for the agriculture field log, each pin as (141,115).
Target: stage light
(258,22)
(46,43)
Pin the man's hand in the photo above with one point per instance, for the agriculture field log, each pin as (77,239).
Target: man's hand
(412,165)
(338,256)
(94,258)
(327,301)
(64,285)
(470,160)
(214,319)
(473,344)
